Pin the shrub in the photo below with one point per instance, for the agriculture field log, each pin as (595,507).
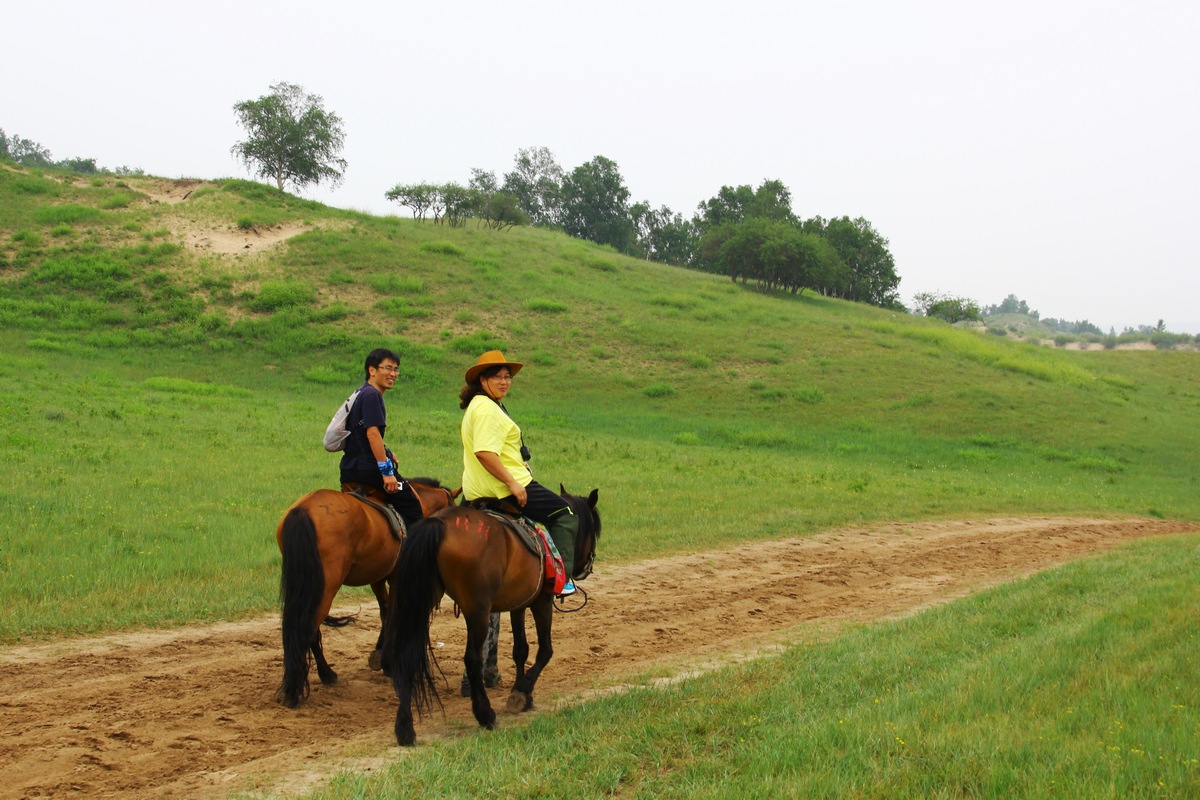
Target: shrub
(327,375)
(212,321)
(396,284)
(331,313)
(46,344)
(810,395)
(69,214)
(274,295)
(476,343)
(31,185)
(117,200)
(601,264)
(681,302)
(444,248)
(84,271)
(399,307)
(545,306)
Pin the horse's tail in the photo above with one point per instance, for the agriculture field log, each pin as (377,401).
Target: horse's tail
(301,586)
(416,589)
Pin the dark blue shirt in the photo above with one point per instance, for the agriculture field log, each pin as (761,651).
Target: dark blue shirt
(367,412)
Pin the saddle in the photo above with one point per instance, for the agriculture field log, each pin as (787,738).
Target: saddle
(532,534)
(374,498)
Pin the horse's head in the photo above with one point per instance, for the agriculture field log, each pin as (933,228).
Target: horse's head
(432,495)
(589,530)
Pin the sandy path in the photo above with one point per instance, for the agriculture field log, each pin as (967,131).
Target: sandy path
(189,713)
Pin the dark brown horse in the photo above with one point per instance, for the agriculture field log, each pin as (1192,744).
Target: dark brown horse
(332,539)
(479,561)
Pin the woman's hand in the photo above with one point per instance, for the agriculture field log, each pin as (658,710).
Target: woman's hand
(491,462)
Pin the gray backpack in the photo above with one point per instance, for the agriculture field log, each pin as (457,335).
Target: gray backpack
(337,432)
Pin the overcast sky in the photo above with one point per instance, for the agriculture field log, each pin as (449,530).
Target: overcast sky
(1044,149)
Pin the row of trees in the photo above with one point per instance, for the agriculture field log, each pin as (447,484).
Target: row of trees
(454,203)
(954,309)
(29,153)
(750,234)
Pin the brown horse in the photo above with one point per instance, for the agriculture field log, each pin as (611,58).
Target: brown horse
(479,561)
(331,539)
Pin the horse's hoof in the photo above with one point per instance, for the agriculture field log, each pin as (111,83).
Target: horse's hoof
(465,688)
(375,661)
(287,700)
(491,678)
(518,702)
(330,678)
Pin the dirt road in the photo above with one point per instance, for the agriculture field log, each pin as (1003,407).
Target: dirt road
(189,713)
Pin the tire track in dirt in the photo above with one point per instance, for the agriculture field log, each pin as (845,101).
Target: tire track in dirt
(190,712)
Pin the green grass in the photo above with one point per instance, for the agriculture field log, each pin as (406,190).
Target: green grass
(1079,682)
(163,407)
(647,381)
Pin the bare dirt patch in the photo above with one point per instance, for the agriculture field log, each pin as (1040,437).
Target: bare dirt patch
(218,237)
(189,712)
(231,240)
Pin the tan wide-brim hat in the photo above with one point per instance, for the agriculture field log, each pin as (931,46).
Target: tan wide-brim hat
(492,358)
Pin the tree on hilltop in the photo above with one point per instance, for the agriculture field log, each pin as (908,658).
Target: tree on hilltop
(870,275)
(732,204)
(946,307)
(596,205)
(536,183)
(26,152)
(292,138)
(1011,305)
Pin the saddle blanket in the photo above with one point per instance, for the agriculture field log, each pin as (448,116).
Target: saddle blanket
(537,539)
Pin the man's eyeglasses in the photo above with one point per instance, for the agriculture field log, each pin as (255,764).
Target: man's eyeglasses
(392,369)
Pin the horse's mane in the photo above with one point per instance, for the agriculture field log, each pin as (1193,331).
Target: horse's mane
(434,482)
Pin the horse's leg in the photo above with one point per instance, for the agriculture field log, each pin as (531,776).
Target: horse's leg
(520,651)
(491,673)
(491,670)
(521,697)
(477,629)
(380,588)
(324,671)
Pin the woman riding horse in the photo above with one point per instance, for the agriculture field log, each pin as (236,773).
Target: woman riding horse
(480,561)
(496,460)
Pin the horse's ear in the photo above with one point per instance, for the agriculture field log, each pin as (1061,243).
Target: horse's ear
(562,489)
(593,497)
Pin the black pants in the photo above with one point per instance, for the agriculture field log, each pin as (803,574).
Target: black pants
(552,511)
(404,501)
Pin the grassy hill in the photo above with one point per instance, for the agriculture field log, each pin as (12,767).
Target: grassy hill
(164,388)
(173,375)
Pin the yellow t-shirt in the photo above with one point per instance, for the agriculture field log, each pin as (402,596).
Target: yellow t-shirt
(485,426)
